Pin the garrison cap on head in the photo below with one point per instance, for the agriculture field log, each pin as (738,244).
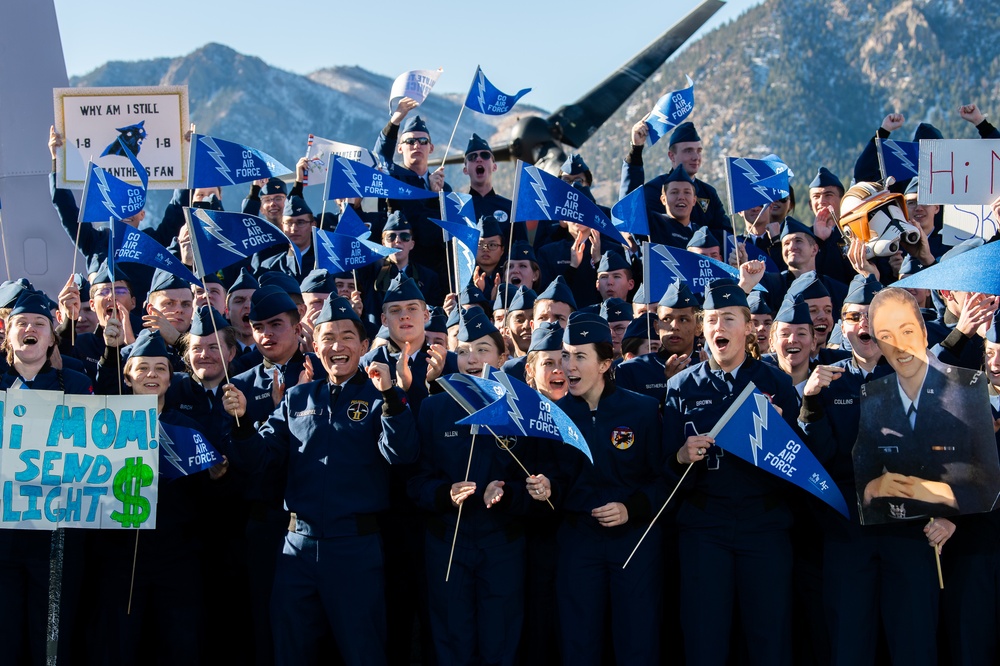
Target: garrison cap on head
(703,238)
(758,305)
(793,310)
(245,281)
(679,175)
(505,294)
(639,297)
(269,302)
(547,337)
(615,309)
(80,280)
(558,290)
(683,133)
(927,131)
(585,328)
(910,266)
(862,290)
(403,288)
(642,327)
(678,295)
(477,143)
(162,280)
(474,324)
(149,344)
(279,279)
(211,278)
(594,309)
(328,220)
(201,322)
(319,281)
(414,124)
(454,317)
(438,322)
(574,165)
(612,260)
(723,293)
(488,227)
(11,290)
(338,308)
(396,222)
(104,276)
(473,295)
(523,299)
(793,226)
(962,248)
(826,178)
(522,251)
(383,333)
(273,186)
(808,286)
(295,206)
(913,187)
(31,303)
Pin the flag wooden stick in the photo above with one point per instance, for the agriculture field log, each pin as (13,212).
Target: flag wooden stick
(457,120)
(937,560)
(76,251)
(131,585)
(647,291)
(516,459)
(448,245)
(454,538)
(3,239)
(653,521)
(57,552)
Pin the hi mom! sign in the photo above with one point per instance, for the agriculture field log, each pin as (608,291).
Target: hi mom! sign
(78,461)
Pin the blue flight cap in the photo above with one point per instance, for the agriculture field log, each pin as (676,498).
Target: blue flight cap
(594,309)
(473,295)
(438,322)
(279,279)
(703,238)
(585,328)
(403,288)
(149,344)
(245,281)
(615,309)
(642,327)
(396,222)
(684,133)
(488,227)
(211,278)
(612,260)
(273,186)
(477,143)
(793,226)
(758,305)
(962,248)
(547,337)
(80,280)
(522,251)
(558,290)
(319,281)
(269,302)
(679,175)
(826,178)
(162,280)
(808,286)
(454,317)
(505,294)
(927,131)
(31,302)
(639,297)
(11,290)
(793,310)
(201,322)
(523,299)
(414,124)
(338,308)
(722,293)
(383,333)
(574,165)
(295,206)
(910,266)
(678,295)
(862,290)
(474,324)
(104,276)
(913,187)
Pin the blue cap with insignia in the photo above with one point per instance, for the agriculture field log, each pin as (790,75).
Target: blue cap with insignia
(642,327)
(793,310)
(477,143)
(793,226)
(522,251)
(201,322)
(162,281)
(31,302)
(615,309)
(612,260)
(862,290)
(703,238)
(319,281)
(523,299)
(724,293)
(296,206)
(473,295)
(826,178)
(488,227)
(559,291)
(338,308)
(547,337)
(403,288)
(396,222)
(505,294)
(414,124)
(678,295)
(245,281)
(679,175)
(269,302)
(585,328)
(438,322)
(273,186)
(149,344)
(474,324)
(808,286)
(279,279)
(684,133)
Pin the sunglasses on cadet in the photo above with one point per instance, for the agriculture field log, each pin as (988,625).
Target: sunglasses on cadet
(423,141)
(484,155)
(854,317)
(391,236)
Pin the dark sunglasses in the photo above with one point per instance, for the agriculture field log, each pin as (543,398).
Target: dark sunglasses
(854,317)
(423,141)
(403,236)
(484,155)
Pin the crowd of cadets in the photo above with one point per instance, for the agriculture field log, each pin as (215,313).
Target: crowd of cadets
(327,534)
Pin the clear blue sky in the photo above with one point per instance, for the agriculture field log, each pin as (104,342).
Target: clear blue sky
(503,37)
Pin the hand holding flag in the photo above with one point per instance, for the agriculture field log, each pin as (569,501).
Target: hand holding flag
(669,112)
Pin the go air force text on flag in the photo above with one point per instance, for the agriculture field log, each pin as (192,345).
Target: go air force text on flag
(349,180)
(486,98)
(220,239)
(217,163)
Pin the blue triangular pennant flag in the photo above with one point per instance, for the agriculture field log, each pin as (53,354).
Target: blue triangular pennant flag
(458,207)
(133,246)
(669,112)
(220,239)
(350,224)
(974,270)
(349,180)
(217,163)
(485,98)
(901,159)
(754,253)
(184,451)
(338,253)
(666,264)
(629,215)
(542,196)
(468,242)
(755,182)
(106,197)
(471,393)
(754,431)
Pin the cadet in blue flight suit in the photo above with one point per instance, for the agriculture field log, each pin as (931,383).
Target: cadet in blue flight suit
(618,314)
(336,435)
(476,616)
(676,227)
(883,573)
(684,150)
(25,554)
(799,249)
(734,520)
(677,330)
(416,148)
(555,304)
(615,278)
(480,165)
(516,325)
(608,505)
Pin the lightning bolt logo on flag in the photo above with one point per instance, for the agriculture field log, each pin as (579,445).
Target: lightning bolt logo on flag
(669,112)
(755,182)
(106,197)
(485,98)
(220,239)
(129,245)
(338,253)
(542,196)
(185,451)
(350,180)
(901,159)
(217,163)
(468,242)
(753,430)
(669,263)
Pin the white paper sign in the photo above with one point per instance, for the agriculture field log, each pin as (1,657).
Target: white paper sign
(964,222)
(415,84)
(320,152)
(959,171)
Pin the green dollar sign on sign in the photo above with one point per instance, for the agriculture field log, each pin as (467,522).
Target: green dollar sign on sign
(129,482)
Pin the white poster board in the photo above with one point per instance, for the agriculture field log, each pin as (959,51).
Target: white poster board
(959,171)
(963,222)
